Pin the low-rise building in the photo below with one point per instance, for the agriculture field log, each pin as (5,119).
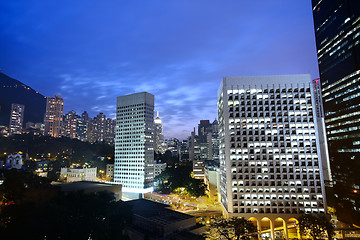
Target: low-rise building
(92,187)
(212,180)
(159,168)
(109,172)
(78,174)
(152,220)
(14,161)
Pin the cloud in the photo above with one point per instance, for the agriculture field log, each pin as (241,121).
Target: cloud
(93,51)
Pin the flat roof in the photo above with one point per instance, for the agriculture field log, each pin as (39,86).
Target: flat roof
(157,212)
(83,185)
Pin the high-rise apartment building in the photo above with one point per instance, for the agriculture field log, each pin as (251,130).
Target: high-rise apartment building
(134,143)
(54,116)
(82,125)
(271,152)
(100,129)
(337,31)
(70,124)
(16,118)
(110,131)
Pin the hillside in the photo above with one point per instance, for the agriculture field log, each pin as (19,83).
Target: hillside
(14,91)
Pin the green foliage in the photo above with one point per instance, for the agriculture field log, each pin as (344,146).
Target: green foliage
(233,228)
(61,151)
(316,225)
(179,176)
(21,186)
(74,215)
(195,187)
(167,158)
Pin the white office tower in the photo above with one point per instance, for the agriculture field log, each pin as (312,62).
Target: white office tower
(134,144)
(270,151)
(158,135)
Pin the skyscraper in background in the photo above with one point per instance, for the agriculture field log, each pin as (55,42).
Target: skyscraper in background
(134,143)
(69,124)
(110,131)
(271,149)
(82,125)
(337,31)
(16,118)
(54,116)
(158,135)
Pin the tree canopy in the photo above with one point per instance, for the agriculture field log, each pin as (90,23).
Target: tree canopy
(179,177)
(316,225)
(74,215)
(61,152)
(233,228)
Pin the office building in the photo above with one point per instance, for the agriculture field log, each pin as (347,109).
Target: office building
(54,116)
(337,31)
(158,135)
(213,141)
(134,144)
(16,118)
(159,168)
(271,153)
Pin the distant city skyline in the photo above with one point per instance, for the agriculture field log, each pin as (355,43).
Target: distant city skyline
(90,52)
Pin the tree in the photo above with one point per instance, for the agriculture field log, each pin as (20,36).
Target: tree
(44,212)
(316,225)
(74,215)
(21,186)
(179,176)
(233,228)
(195,187)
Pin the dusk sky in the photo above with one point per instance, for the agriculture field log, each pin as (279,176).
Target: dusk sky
(91,51)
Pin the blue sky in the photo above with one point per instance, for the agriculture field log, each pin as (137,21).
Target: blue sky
(92,51)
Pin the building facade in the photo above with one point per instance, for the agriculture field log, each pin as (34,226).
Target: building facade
(70,124)
(271,162)
(109,172)
(134,143)
(78,174)
(14,161)
(337,31)
(16,118)
(54,116)
(158,135)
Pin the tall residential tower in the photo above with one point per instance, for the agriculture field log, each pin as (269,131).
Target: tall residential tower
(16,118)
(134,143)
(54,116)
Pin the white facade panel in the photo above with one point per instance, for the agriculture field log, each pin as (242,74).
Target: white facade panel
(270,154)
(134,144)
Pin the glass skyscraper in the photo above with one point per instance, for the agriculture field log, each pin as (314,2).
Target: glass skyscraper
(337,31)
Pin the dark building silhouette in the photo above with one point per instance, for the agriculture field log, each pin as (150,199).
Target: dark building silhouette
(337,31)
(14,91)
